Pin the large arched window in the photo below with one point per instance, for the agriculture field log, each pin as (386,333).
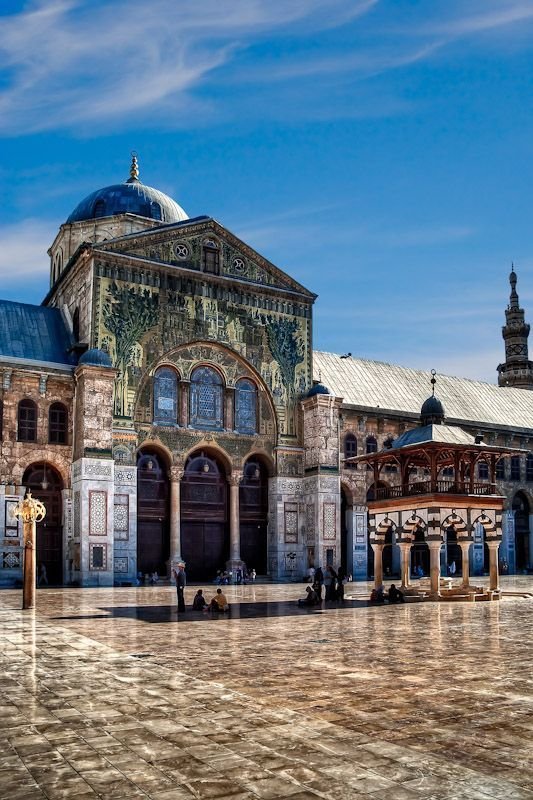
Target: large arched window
(245,406)
(165,396)
(57,424)
(27,421)
(350,449)
(207,407)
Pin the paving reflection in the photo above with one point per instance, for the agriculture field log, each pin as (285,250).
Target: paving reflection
(417,701)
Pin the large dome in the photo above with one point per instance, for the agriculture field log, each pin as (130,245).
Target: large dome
(130,197)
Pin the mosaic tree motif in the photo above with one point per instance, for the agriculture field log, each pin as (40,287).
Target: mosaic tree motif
(286,348)
(127,314)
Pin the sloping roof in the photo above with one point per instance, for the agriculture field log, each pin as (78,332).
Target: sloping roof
(389,387)
(34,333)
(443,434)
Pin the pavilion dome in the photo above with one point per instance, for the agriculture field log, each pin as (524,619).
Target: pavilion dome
(130,197)
(95,358)
(318,388)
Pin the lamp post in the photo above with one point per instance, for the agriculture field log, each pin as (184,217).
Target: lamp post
(30,511)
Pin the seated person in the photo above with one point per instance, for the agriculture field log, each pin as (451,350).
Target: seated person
(219,602)
(377,596)
(395,595)
(198,604)
(311,598)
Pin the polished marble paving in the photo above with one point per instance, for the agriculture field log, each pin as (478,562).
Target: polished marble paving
(105,693)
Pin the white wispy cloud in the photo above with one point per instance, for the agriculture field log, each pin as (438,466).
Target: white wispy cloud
(69,62)
(23,253)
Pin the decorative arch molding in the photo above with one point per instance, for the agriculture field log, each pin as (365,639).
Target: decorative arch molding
(350,492)
(62,466)
(231,366)
(212,450)
(457,522)
(264,457)
(157,445)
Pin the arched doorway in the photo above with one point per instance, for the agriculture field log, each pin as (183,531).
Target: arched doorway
(453,552)
(153,538)
(46,485)
(253,514)
(204,517)
(521,531)
(419,554)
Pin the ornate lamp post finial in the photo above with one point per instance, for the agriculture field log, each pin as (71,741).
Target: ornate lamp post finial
(30,511)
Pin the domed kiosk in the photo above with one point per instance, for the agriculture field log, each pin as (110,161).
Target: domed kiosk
(95,358)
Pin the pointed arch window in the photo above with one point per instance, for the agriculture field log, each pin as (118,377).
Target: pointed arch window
(350,449)
(27,421)
(207,405)
(57,424)
(165,396)
(246,406)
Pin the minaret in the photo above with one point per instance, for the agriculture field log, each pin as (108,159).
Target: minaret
(517,370)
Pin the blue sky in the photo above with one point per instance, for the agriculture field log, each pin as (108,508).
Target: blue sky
(380,151)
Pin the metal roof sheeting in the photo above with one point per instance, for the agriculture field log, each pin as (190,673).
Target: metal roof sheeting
(389,387)
(36,333)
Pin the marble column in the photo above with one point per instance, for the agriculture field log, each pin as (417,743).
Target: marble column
(465,561)
(405,565)
(234,520)
(434,567)
(175,518)
(493,565)
(378,564)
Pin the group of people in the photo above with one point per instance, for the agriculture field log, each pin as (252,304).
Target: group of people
(330,581)
(394,595)
(218,603)
(240,576)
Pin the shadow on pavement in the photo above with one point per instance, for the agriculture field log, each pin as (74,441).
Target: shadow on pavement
(155,614)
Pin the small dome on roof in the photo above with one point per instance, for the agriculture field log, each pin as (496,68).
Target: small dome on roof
(432,407)
(318,388)
(95,358)
(130,197)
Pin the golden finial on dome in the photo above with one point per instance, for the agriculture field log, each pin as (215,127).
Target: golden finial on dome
(134,169)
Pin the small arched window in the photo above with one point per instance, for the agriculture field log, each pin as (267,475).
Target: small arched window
(371,444)
(350,449)
(99,209)
(155,210)
(500,469)
(515,468)
(27,421)
(57,424)
(165,396)
(207,407)
(246,406)
(529,467)
(210,257)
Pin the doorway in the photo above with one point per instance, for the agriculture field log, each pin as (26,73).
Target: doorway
(46,485)
(253,515)
(204,517)
(153,535)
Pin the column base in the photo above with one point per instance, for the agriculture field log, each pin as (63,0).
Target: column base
(233,565)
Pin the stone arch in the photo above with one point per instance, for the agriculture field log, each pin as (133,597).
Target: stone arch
(266,458)
(213,450)
(157,445)
(46,456)
(411,526)
(456,522)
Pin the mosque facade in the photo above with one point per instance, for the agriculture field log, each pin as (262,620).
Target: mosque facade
(165,403)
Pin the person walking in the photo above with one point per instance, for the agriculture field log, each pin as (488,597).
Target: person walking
(319,580)
(181,582)
(330,582)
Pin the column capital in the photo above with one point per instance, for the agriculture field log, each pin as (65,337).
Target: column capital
(175,474)
(235,478)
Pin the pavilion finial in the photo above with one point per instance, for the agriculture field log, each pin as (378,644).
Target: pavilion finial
(134,169)
(433,381)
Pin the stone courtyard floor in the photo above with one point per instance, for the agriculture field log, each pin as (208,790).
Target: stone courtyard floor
(105,694)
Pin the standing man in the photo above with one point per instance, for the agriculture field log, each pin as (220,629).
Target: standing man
(181,581)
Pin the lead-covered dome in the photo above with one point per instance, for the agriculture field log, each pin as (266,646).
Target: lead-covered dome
(130,197)
(95,358)
(432,411)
